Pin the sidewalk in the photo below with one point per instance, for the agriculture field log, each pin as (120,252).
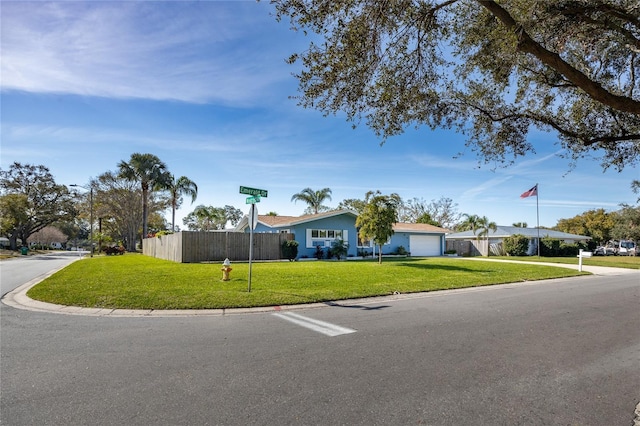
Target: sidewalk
(18,298)
(595,270)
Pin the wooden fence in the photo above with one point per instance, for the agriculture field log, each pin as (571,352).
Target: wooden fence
(193,247)
(468,247)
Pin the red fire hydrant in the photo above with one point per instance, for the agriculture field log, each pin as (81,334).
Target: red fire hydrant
(226,268)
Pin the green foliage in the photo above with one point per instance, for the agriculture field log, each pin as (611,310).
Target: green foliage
(378,217)
(206,218)
(290,249)
(550,247)
(314,199)
(30,200)
(626,224)
(178,188)
(151,173)
(339,248)
(516,245)
(117,201)
(493,70)
(401,251)
(480,226)
(596,224)
(353,204)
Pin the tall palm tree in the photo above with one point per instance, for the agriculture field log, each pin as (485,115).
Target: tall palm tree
(151,173)
(313,198)
(177,188)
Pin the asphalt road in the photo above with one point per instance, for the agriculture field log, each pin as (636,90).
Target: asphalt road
(17,271)
(559,352)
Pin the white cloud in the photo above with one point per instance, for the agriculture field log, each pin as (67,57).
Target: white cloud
(160,50)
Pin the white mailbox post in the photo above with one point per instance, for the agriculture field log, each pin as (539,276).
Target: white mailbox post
(582,254)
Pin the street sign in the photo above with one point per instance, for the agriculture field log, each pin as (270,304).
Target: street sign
(253,191)
(254,199)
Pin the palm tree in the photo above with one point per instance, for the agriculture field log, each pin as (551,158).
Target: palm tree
(470,223)
(177,188)
(151,173)
(485,226)
(313,198)
(480,226)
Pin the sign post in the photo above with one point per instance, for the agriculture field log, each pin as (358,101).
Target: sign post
(254,197)
(253,215)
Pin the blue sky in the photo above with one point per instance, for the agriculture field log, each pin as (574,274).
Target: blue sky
(205,87)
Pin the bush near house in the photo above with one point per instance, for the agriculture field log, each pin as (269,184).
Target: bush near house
(516,245)
(553,248)
(290,250)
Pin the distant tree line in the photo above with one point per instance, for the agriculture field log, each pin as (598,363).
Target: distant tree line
(128,203)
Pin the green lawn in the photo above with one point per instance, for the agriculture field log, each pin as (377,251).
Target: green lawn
(630,262)
(140,282)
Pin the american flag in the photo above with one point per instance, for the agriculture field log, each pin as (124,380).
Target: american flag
(530,193)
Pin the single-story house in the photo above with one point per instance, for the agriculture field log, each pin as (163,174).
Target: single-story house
(323,229)
(497,236)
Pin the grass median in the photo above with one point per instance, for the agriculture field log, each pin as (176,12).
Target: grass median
(140,282)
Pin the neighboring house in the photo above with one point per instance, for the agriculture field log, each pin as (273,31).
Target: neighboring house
(323,229)
(496,237)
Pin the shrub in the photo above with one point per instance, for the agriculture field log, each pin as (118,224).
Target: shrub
(363,253)
(549,247)
(290,249)
(401,251)
(113,250)
(516,245)
(339,249)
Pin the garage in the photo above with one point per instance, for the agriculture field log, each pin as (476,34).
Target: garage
(425,245)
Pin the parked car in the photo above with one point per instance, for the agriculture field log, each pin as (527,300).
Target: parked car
(616,248)
(626,248)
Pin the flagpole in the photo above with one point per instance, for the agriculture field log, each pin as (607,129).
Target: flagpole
(538,218)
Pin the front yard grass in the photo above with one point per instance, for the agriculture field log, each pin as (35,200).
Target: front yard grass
(135,281)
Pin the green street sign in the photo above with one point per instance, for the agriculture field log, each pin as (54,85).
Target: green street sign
(253,191)
(253,200)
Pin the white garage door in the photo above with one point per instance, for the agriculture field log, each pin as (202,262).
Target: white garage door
(424,245)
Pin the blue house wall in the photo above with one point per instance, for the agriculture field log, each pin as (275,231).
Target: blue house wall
(328,229)
(323,231)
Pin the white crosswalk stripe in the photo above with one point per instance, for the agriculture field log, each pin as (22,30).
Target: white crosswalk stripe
(323,327)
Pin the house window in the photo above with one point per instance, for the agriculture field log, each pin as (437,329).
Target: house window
(324,237)
(367,243)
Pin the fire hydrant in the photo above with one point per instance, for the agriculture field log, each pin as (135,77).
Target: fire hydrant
(226,268)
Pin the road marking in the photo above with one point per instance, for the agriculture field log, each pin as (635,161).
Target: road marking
(316,325)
